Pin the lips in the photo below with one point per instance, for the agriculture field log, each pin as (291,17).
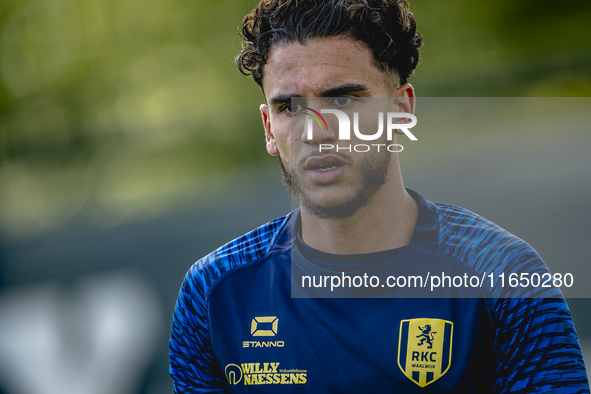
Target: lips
(325,169)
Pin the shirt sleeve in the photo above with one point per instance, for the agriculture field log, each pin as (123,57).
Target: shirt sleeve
(537,348)
(192,364)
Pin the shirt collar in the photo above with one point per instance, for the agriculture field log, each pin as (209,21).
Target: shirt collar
(425,234)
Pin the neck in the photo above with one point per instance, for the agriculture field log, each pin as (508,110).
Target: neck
(386,222)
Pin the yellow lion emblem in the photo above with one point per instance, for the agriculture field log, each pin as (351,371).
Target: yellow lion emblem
(426,335)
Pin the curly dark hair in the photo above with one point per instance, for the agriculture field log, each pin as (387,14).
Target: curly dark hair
(387,27)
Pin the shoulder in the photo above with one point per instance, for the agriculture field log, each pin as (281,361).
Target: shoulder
(242,250)
(462,230)
(474,239)
(486,247)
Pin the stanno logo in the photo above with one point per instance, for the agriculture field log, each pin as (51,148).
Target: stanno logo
(424,349)
(263,344)
(264,326)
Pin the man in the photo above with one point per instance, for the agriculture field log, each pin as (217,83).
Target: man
(239,325)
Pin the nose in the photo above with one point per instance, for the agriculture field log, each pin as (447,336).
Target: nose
(317,130)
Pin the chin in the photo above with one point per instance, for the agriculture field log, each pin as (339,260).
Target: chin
(333,212)
(333,208)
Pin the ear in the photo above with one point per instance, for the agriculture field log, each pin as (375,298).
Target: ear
(406,102)
(271,144)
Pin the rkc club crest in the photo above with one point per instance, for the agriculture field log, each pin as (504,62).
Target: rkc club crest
(424,349)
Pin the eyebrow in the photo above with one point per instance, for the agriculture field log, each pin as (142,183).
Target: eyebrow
(345,89)
(337,91)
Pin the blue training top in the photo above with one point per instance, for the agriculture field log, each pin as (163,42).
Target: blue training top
(236,327)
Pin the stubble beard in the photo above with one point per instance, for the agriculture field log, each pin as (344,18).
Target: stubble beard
(373,175)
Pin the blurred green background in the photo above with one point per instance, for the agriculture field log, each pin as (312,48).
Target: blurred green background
(120,110)
(130,145)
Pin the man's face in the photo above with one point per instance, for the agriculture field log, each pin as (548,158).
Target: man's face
(330,72)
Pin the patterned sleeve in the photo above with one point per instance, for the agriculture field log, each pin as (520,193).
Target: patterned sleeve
(192,365)
(537,347)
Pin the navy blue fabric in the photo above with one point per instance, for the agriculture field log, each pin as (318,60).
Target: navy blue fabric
(323,345)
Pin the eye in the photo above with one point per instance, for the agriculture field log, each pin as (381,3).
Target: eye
(291,110)
(342,101)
